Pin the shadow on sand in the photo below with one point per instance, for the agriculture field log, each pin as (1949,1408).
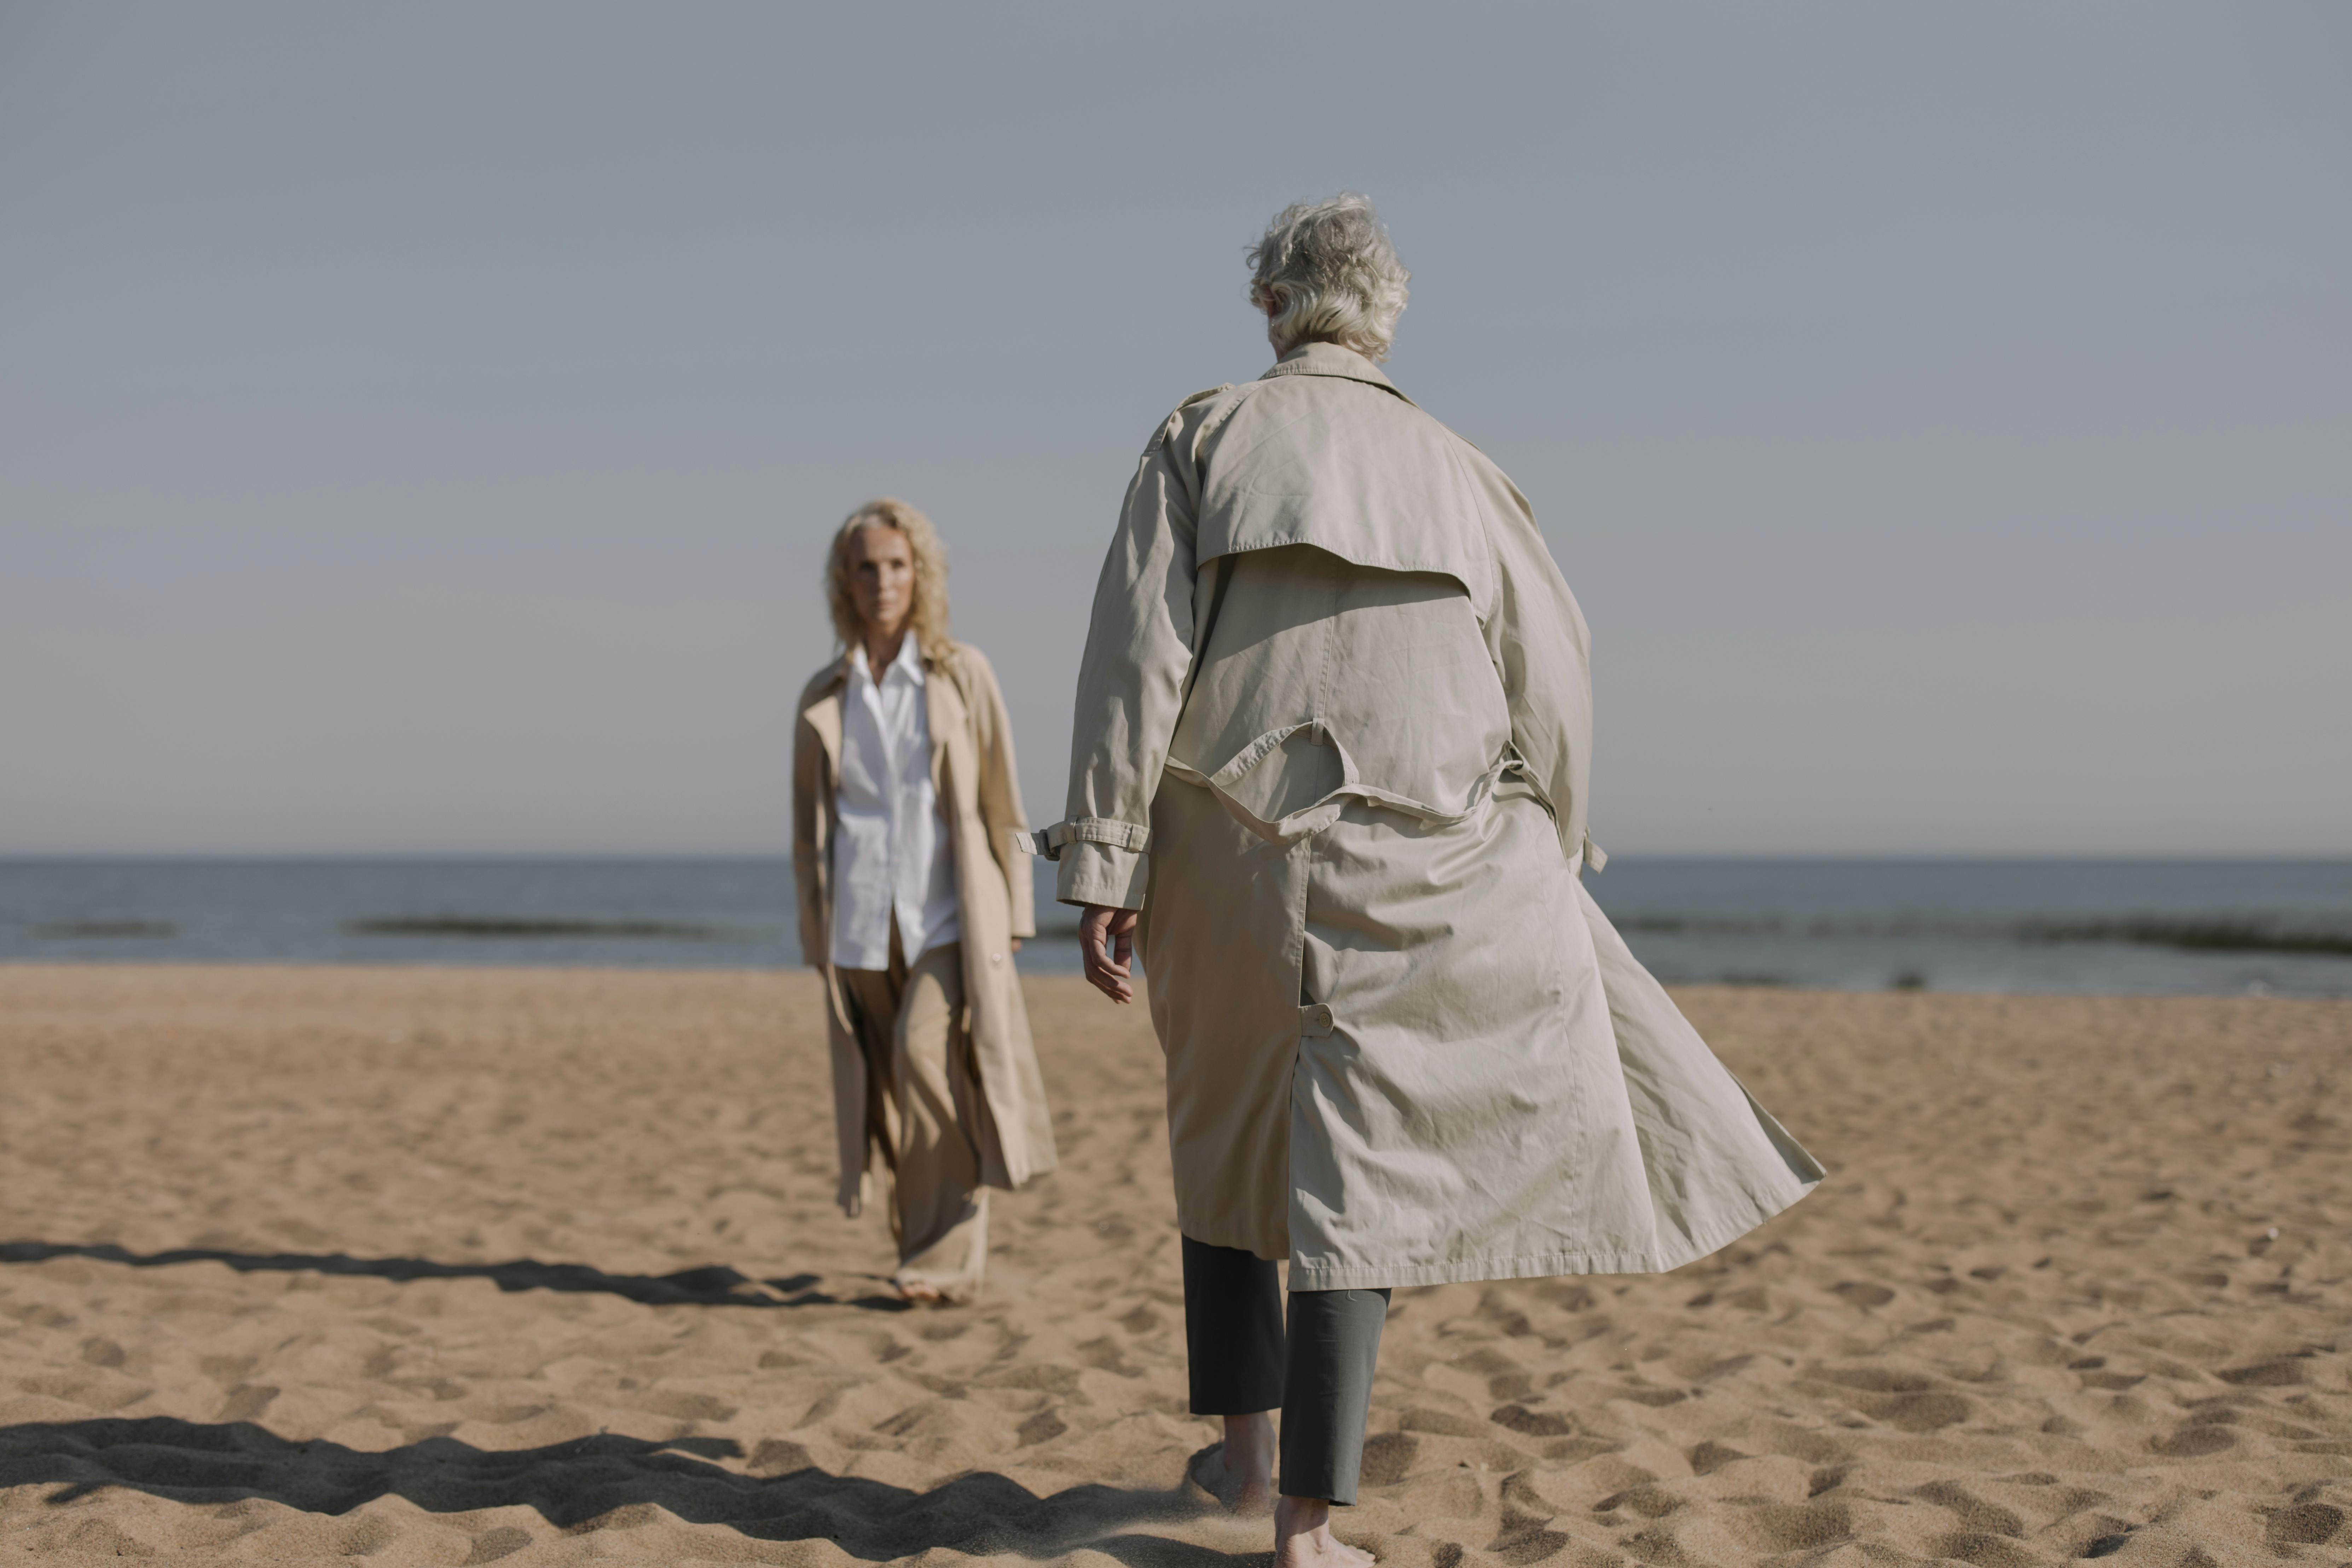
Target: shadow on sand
(590,1485)
(714,1285)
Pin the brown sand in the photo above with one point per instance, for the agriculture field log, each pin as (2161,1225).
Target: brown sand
(463,1266)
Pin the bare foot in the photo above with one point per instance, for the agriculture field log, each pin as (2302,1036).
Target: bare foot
(1303,1538)
(1239,1471)
(920,1293)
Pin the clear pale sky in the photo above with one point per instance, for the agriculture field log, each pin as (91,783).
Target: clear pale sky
(420,425)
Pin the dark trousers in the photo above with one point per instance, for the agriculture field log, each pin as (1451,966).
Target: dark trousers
(1319,1374)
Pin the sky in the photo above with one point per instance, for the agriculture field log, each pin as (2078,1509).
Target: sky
(421,425)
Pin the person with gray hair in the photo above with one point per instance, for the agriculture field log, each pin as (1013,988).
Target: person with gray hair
(1324,272)
(1329,778)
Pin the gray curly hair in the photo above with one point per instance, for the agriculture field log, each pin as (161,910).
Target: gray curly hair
(1324,272)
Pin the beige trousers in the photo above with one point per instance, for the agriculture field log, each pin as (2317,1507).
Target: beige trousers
(922,1099)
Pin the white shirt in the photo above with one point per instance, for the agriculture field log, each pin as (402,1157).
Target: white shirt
(890,848)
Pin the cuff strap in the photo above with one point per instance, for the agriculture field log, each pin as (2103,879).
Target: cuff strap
(1050,842)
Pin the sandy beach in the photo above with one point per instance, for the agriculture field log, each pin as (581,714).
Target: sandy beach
(460,1267)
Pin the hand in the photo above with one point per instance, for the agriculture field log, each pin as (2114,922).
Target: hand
(1016,945)
(1106,939)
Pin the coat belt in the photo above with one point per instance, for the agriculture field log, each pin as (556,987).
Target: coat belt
(1322,814)
(1049,842)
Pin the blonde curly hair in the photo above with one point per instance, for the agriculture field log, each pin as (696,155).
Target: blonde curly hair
(928,618)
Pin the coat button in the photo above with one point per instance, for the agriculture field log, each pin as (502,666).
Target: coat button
(995,958)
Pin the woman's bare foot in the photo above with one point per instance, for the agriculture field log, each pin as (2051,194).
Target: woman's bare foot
(1303,1538)
(1239,1471)
(920,1293)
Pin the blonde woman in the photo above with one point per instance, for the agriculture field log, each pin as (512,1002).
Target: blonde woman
(912,903)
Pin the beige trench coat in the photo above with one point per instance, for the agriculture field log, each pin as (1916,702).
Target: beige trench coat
(1333,738)
(972,775)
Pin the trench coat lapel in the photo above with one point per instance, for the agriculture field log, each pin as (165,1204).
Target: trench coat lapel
(944,710)
(823,713)
(823,716)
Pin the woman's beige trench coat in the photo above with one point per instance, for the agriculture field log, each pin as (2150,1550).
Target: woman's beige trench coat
(971,772)
(1333,737)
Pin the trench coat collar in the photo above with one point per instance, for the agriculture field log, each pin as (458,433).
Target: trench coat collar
(1330,359)
(910,659)
(944,708)
(834,677)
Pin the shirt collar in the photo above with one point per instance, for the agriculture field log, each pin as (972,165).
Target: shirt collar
(908,664)
(1330,359)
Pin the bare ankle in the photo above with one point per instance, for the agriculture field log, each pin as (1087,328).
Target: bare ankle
(1249,1460)
(1300,1515)
(1239,1471)
(1303,1538)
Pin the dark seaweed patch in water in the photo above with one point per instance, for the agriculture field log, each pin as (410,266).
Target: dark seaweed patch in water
(1680,925)
(2193,936)
(1732,977)
(111,927)
(484,926)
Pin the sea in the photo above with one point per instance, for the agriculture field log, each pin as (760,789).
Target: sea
(2209,927)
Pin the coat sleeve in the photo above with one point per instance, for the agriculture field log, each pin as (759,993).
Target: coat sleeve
(1000,790)
(808,805)
(1131,684)
(1542,650)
